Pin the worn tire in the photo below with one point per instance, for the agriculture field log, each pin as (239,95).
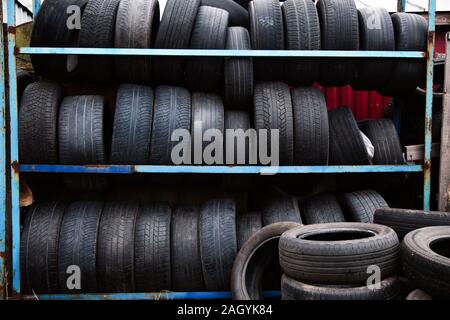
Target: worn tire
(404,221)
(237,120)
(174,32)
(273,110)
(39,248)
(295,290)
(210,32)
(50,30)
(302,32)
(338,253)
(78,244)
(267,33)
(247,224)
(185,249)
(238,72)
(115,251)
(218,246)
(339,31)
(311,128)
(97,31)
(323,208)
(238,15)
(132,125)
(374,73)
(172,112)
(136,27)
(38,123)
(24,79)
(418,295)
(254,258)
(281,209)
(152,248)
(361,205)
(346,143)
(426,260)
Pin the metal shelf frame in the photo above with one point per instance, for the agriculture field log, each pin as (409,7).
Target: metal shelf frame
(10,167)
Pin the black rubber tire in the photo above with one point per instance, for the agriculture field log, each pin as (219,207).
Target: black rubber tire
(385,139)
(418,295)
(152,248)
(295,290)
(339,253)
(187,274)
(237,120)
(311,128)
(174,33)
(281,209)
(339,31)
(207,109)
(238,16)
(97,31)
(323,208)
(302,32)
(243,3)
(115,250)
(38,123)
(137,23)
(404,221)
(267,33)
(50,30)
(238,72)
(410,35)
(376,33)
(360,206)
(132,125)
(24,79)
(247,224)
(39,248)
(346,143)
(78,245)
(210,32)
(273,110)
(426,265)
(218,244)
(172,112)
(254,258)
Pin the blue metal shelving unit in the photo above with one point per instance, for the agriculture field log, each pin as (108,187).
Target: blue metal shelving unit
(14,167)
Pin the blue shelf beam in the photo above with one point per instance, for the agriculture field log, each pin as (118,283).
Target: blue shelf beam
(226,53)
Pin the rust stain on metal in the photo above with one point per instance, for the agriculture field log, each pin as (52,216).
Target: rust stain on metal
(427,165)
(15,166)
(96,166)
(12,30)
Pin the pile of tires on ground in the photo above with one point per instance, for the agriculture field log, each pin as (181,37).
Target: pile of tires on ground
(214,24)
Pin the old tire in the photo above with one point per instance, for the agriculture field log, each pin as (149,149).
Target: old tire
(247,224)
(323,208)
(217,230)
(418,295)
(360,206)
(312,136)
(281,209)
(38,123)
(338,253)
(78,245)
(295,290)
(238,15)
(132,125)
(254,258)
(426,260)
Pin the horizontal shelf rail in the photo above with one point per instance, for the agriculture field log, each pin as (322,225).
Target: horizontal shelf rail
(130,169)
(226,53)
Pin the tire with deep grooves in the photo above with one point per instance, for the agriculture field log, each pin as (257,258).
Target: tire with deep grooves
(281,209)
(78,245)
(115,251)
(238,72)
(39,248)
(238,15)
(311,128)
(246,225)
(97,31)
(217,230)
(172,112)
(136,27)
(302,32)
(323,208)
(273,110)
(38,123)
(132,125)
(338,253)
(185,250)
(152,248)
(360,206)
